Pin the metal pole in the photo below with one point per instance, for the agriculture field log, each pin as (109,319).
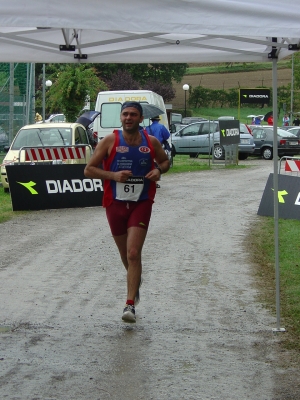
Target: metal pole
(27,96)
(44,92)
(292,92)
(29,99)
(33,94)
(185,103)
(275,185)
(11,102)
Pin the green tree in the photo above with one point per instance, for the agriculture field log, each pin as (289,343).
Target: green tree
(233,97)
(283,99)
(165,73)
(200,97)
(165,90)
(219,98)
(70,89)
(296,92)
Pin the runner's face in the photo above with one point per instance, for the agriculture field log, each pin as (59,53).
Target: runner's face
(131,118)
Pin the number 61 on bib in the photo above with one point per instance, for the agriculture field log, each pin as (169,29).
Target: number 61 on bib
(131,189)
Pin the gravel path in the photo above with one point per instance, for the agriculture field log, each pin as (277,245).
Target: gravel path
(200,332)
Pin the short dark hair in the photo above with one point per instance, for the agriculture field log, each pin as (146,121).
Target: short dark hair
(134,104)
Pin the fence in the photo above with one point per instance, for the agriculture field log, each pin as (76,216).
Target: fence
(289,165)
(17,100)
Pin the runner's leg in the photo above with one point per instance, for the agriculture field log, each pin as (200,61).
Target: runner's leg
(135,241)
(130,249)
(121,242)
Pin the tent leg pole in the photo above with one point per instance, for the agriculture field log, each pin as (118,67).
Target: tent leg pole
(275,185)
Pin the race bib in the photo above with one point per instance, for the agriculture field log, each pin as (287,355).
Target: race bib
(130,190)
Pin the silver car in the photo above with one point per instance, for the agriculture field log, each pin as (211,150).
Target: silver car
(204,138)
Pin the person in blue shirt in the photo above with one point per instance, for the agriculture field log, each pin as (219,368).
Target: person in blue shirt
(159,131)
(257,120)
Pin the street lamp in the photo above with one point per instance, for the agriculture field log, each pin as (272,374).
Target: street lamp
(185,87)
(48,84)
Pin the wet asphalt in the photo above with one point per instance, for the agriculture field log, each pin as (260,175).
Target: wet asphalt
(200,333)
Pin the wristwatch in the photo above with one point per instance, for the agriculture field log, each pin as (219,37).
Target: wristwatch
(160,170)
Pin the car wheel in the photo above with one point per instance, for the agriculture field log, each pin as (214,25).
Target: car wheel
(243,156)
(173,151)
(267,153)
(219,153)
(193,155)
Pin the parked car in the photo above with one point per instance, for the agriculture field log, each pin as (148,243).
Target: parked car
(295,130)
(3,139)
(204,138)
(286,127)
(190,120)
(54,118)
(176,118)
(246,145)
(41,135)
(288,143)
(175,127)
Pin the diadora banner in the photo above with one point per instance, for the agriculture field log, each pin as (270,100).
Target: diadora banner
(42,187)
(255,96)
(229,131)
(288,198)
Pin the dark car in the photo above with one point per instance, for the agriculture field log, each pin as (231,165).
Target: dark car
(288,143)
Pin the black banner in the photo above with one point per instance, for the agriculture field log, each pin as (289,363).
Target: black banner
(229,131)
(42,187)
(288,197)
(254,96)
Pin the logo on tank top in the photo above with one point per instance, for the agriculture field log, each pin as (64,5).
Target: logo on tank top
(122,149)
(143,162)
(144,149)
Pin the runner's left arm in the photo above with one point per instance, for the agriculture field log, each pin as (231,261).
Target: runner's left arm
(161,159)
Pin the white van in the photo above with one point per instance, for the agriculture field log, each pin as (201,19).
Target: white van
(109,105)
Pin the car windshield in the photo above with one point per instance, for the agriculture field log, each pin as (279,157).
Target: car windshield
(42,137)
(110,115)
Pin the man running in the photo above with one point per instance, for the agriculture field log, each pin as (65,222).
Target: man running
(130,175)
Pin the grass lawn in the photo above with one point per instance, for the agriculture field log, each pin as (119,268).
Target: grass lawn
(234,67)
(261,238)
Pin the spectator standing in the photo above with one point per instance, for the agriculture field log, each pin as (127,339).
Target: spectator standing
(296,121)
(159,131)
(270,120)
(257,120)
(285,120)
(38,117)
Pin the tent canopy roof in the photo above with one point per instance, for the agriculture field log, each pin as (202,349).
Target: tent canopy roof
(156,31)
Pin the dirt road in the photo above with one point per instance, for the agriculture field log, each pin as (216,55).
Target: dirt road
(200,332)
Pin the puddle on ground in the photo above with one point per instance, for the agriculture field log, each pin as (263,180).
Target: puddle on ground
(4,328)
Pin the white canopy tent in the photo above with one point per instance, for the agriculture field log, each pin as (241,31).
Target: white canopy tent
(154,31)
